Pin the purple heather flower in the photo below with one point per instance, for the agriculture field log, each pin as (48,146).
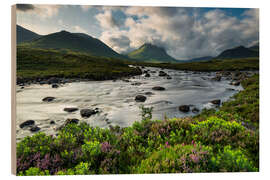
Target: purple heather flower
(105,147)
(194,158)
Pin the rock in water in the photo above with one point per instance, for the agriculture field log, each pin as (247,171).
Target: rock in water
(149,93)
(158,88)
(169,77)
(27,123)
(235,83)
(184,108)
(147,75)
(52,122)
(217,78)
(55,86)
(35,129)
(162,73)
(140,98)
(72,109)
(86,113)
(48,99)
(216,101)
(195,110)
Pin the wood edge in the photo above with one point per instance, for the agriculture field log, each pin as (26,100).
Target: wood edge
(13,90)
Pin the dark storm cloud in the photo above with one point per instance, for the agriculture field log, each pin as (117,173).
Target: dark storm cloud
(25,7)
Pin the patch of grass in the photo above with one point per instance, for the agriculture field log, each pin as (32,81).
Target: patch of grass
(41,63)
(212,65)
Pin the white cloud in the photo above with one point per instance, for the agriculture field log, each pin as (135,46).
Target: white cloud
(183,32)
(79,29)
(107,20)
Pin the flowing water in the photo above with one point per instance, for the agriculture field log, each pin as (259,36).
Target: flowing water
(116,100)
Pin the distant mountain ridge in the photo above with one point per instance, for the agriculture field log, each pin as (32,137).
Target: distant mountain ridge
(238,52)
(80,42)
(150,53)
(198,59)
(77,42)
(25,35)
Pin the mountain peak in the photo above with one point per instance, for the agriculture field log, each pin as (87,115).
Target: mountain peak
(151,53)
(238,52)
(25,35)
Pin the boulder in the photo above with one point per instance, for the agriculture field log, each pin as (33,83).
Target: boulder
(216,101)
(162,73)
(169,77)
(34,129)
(125,80)
(27,123)
(149,93)
(52,122)
(147,75)
(235,83)
(48,99)
(136,84)
(158,88)
(55,86)
(217,78)
(184,108)
(71,109)
(195,110)
(86,113)
(140,98)
(53,80)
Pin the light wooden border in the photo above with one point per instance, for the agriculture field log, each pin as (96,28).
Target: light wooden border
(13,89)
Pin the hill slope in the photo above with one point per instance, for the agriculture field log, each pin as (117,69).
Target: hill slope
(78,42)
(151,53)
(25,35)
(238,52)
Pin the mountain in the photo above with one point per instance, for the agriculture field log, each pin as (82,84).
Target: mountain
(150,53)
(25,35)
(255,47)
(77,42)
(238,52)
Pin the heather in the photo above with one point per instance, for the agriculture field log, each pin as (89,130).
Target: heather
(223,140)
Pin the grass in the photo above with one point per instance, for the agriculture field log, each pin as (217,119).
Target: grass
(214,141)
(213,65)
(41,63)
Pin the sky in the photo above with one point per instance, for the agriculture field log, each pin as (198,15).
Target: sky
(184,32)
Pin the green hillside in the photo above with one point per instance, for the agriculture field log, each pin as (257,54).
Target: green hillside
(151,53)
(25,35)
(78,42)
(33,63)
(238,52)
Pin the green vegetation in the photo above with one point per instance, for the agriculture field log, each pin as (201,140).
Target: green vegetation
(24,35)
(213,65)
(214,141)
(40,63)
(238,52)
(77,42)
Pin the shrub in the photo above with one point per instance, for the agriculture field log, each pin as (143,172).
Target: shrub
(33,171)
(177,159)
(230,160)
(217,132)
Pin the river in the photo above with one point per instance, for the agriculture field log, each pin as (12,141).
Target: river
(116,99)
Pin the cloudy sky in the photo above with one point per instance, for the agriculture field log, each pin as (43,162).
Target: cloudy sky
(184,32)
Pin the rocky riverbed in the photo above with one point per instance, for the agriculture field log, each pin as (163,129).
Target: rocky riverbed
(116,102)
